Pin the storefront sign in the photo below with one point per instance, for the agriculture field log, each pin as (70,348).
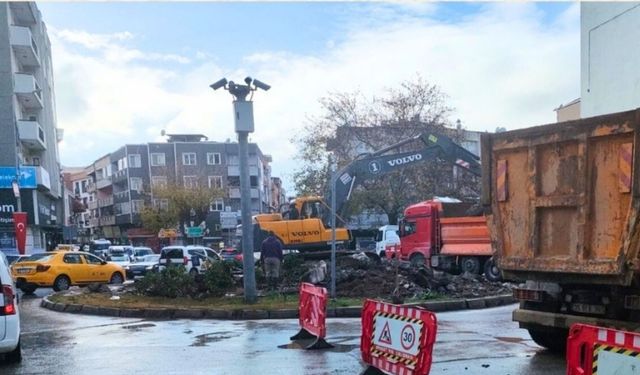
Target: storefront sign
(27,178)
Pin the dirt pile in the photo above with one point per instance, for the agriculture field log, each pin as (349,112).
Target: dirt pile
(360,277)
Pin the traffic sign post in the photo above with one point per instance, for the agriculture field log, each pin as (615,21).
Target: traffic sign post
(194,232)
(313,315)
(397,339)
(595,350)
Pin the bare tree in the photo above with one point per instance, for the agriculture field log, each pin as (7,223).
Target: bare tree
(351,125)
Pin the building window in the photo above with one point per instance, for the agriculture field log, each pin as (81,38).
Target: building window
(188,158)
(123,208)
(213,158)
(137,205)
(159,181)
(158,159)
(233,160)
(136,183)
(161,204)
(122,164)
(217,205)
(253,181)
(215,182)
(134,161)
(190,182)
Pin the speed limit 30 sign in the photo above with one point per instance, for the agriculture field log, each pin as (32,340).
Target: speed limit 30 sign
(397,337)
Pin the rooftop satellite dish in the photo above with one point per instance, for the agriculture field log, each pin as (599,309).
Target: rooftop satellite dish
(162,132)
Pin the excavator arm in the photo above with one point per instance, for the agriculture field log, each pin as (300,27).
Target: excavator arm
(380,162)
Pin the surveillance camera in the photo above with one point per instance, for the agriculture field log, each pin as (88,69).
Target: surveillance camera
(248,80)
(261,85)
(218,84)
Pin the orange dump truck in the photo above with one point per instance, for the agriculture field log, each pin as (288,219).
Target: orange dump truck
(564,202)
(435,233)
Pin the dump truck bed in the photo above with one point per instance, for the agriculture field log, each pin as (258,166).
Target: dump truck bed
(465,236)
(563,200)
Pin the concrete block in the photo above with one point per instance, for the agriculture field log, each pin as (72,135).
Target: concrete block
(217,314)
(255,314)
(158,313)
(108,311)
(131,313)
(91,310)
(283,314)
(457,304)
(476,303)
(73,308)
(59,307)
(188,314)
(436,306)
(493,301)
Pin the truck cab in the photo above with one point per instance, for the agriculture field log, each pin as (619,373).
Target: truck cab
(387,235)
(418,232)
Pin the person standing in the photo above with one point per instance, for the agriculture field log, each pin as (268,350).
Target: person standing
(271,257)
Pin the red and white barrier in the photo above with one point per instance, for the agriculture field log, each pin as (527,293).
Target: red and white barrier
(397,339)
(313,316)
(602,351)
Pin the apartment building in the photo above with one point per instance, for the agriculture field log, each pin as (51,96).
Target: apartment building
(123,182)
(29,142)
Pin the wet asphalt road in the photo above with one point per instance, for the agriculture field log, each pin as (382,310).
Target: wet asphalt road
(468,342)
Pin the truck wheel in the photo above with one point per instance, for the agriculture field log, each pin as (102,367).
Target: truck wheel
(470,264)
(491,270)
(554,339)
(417,260)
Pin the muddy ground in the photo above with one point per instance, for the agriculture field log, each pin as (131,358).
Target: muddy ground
(361,277)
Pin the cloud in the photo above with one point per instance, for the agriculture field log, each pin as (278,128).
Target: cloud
(503,65)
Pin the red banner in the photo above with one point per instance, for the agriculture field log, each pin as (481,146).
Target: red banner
(20,226)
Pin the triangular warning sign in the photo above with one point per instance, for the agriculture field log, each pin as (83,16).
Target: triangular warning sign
(385,336)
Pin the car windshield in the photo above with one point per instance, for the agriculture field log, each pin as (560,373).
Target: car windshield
(143,252)
(119,258)
(40,257)
(151,258)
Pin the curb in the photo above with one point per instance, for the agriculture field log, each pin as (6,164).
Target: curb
(250,314)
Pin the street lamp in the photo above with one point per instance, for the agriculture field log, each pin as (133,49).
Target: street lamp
(243,118)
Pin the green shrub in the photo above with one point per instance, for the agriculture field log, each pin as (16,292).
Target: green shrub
(171,282)
(218,279)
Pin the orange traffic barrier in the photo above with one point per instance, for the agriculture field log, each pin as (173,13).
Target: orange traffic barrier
(313,315)
(603,351)
(397,339)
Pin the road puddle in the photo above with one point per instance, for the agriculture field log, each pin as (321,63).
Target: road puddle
(137,327)
(510,339)
(206,338)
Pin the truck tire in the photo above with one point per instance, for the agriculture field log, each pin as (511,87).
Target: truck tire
(417,259)
(470,265)
(491,270)
(554,339)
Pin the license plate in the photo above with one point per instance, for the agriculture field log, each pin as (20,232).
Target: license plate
(588,309)
(23,270)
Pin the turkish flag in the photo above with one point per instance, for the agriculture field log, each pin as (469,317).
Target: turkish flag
(20,226)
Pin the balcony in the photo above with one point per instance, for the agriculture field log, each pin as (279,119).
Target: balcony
(42,178)
(121,197)
(235,193)
(119,176)
(32,135)
(234,170)
(24,13)
(24,47)
(105,202)
(108,220)
(91,187)
(94,222)
(103,183)
(92,205)
(27,90)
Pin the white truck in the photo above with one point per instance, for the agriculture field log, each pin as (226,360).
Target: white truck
(387,236)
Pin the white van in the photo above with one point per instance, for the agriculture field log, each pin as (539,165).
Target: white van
(387,235)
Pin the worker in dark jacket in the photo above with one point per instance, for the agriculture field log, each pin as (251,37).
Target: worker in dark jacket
(270,257)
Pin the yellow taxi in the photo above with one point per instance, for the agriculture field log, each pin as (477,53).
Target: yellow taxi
(61,269)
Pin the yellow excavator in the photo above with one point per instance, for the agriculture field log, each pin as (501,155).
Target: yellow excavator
(305,224)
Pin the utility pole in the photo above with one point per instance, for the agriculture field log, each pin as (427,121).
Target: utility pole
(244,124)
(332,164)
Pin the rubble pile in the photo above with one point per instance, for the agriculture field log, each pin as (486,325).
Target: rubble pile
(358,276)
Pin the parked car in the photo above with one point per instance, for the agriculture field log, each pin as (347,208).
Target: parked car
(61,269)
(191,257)
(9,315)
(140,251)
(140,268)
(118,249)
(120,257)
(231,254)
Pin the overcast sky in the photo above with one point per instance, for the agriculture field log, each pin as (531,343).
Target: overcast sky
(125,71)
